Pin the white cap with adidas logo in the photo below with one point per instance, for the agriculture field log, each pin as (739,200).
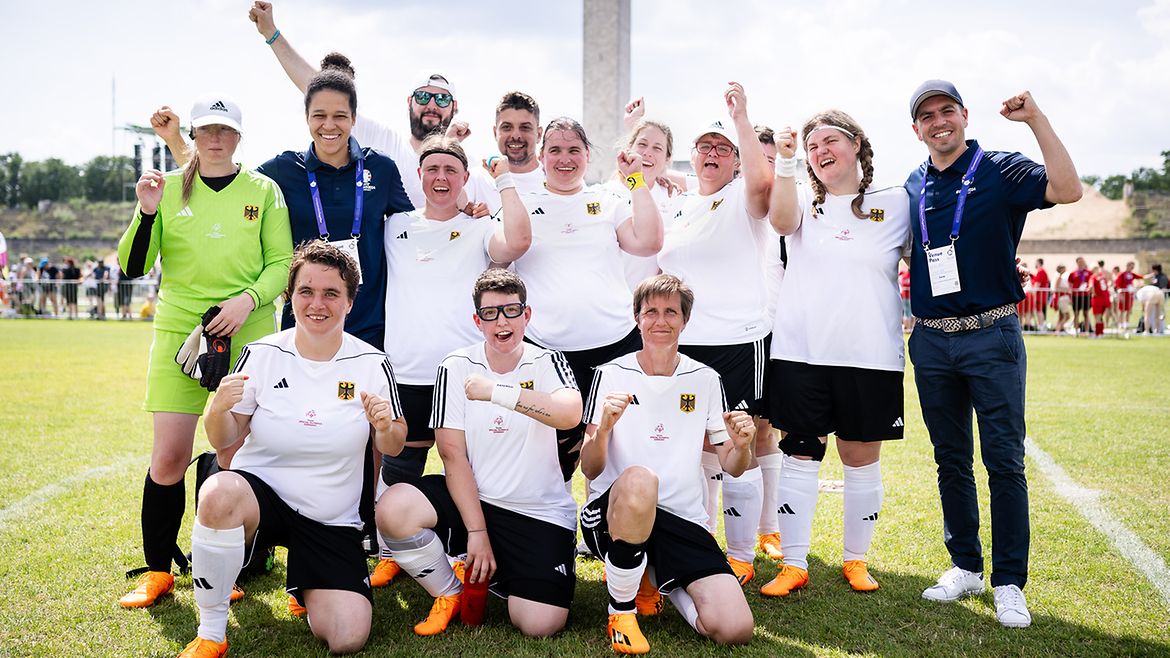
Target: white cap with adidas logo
(216,109)
(719,128)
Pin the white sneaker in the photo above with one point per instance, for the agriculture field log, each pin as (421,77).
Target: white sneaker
(954,584)
(1010,607)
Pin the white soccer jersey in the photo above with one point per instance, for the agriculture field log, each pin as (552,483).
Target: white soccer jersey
(309,433)
(573,270)
(514,457)
(839,303)
(774,274)
(638,268)
(431,270)
(481,187)
(397,147)
(661,429)
(718,250)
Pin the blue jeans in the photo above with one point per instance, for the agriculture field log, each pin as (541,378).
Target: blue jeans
(985,371)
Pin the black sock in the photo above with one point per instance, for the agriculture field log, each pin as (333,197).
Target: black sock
(162,516)
(624,555)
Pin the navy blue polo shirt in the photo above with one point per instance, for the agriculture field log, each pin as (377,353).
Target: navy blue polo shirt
(1005,188)
(383,196)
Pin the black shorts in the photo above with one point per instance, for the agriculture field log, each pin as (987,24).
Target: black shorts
(319,556)
(535,560)
(857,404)
(70,290)
(416,409)
(124,293)
(680,551)
(743,369)
(1080,301)
(583,363)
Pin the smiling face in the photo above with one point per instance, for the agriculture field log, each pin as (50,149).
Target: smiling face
(320,300)
(941,124)
(660,320)
(330,122)
(833,156)
(517,134)
(503,334)
(443,177)
(565,158)
(714,170)
(651,143)
(430,118)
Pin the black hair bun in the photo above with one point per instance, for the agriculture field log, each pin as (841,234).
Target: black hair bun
(339,62)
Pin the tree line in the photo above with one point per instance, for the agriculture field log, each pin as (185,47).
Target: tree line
(26,183)
(1144,179)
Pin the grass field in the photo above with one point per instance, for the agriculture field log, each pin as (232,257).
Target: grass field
(74,447)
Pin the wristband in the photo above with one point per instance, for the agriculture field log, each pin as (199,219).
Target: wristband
(635,180)
(505,395)
(477,530)
(786,167)
(504,181)
(271,40)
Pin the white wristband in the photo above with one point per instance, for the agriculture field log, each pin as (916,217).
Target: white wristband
(786,167)
(504,181)
(505,395)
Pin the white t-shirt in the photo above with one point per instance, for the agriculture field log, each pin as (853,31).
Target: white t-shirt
(573,270)
(309,434)
(840,304)
(638,268)
(397,147)
(661,429)
(431,269)
(481,187)
(514,458)
(718,250)
(774,273)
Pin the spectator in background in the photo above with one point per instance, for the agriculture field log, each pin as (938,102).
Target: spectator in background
(123,292)
(1100,287)
(1124,283)
(1153,301)
(101,278)
(70,277)
(1157,278)
(3,256)
(1078,281)
(1041,287)
(47,275)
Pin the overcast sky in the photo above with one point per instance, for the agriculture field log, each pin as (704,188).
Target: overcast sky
(1098,70)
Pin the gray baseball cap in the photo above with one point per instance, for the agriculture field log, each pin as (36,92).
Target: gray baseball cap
(930,89)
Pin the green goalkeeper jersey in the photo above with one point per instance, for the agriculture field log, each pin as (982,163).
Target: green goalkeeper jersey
(220,244)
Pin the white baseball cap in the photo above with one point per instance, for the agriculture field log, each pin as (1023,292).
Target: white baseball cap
(216,110)
(718,128)
(435,80)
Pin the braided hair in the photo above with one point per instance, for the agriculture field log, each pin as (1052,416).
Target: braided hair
(845,123)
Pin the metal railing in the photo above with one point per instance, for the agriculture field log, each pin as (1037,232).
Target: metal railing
(54,298)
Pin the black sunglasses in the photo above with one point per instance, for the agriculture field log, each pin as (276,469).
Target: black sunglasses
(442,99)
(489,313)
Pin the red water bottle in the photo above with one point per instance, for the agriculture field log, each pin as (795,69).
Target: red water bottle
(474,603)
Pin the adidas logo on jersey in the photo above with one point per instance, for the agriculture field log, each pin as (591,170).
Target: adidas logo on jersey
(218,106)
(186,212)
(283,383)
(898,423)
(731,511)
(403,236)
(634,399)
(871,517)
(785,509)
(538,211)
(742,406)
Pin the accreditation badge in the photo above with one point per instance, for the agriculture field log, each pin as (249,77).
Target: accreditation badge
(943,269)
(349,247)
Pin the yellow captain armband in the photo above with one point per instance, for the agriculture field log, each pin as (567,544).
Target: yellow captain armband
(635,180)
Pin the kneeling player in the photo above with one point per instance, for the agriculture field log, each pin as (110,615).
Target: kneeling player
(306,402)
(647,415)
(503,501)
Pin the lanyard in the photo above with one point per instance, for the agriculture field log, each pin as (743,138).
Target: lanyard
(359,197)
(968,178)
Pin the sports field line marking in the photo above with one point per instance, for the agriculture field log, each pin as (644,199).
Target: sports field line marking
(27,504)
(1087,502)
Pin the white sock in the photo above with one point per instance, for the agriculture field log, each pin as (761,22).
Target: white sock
(685,606)
(742,497)
(623,584)
(216,559)
(798,503)
(712,475)
(422,557)
(863,500)
(770,470)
